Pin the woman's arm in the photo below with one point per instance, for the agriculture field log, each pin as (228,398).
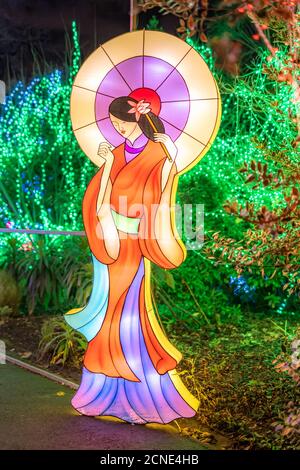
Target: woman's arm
(172,149)
(106,157)
(108,229)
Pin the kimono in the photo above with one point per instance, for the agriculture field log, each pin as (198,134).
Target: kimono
(129,368)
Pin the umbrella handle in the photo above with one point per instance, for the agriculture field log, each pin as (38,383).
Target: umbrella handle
(155,130)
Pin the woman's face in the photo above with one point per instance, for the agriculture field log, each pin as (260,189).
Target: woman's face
(124,128)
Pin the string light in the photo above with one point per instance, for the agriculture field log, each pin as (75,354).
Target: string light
(255,109)
(256,119)
(43,172)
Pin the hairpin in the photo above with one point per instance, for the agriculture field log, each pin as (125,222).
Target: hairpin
(139,108)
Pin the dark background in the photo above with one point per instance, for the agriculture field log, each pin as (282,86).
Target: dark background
(33,32)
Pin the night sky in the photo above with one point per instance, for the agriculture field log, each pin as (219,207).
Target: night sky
(38,27)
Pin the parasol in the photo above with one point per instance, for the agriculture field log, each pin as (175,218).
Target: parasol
(188,97)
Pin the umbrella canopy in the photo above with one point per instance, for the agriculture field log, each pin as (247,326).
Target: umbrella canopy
(188,100)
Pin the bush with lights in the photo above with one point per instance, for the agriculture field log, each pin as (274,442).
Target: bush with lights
(44,175)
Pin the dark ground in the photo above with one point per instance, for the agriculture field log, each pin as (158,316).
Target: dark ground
(36,414)
(22,336)
(228,367)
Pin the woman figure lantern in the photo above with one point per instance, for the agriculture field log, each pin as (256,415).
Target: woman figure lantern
(144,108)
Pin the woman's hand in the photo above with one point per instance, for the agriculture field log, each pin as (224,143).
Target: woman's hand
(172,149)
(104,151)
(168,142)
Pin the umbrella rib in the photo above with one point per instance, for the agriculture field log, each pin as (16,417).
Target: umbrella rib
(105,94)
(93,91)
(84,88)
(184,101)
(116,68)
(186,133)
(174,68)
(87,125)
(143,64)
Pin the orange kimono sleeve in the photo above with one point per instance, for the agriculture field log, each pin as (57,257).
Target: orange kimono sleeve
(158,237)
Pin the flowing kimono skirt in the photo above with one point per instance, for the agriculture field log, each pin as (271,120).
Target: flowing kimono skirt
(155,398)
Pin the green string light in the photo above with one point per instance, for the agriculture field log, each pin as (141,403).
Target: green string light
(42,169)
(255,108)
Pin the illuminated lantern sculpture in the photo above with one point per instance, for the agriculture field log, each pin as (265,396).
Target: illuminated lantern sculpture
(145,108)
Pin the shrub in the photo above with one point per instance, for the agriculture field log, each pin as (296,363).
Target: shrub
(289,363)
(9,294)
(60,343)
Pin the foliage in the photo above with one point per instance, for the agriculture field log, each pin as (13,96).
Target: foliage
(289,362)
(195,16)
(195,295)
(240,395)
(254,129)
(153,24)
(9,294)
(190,22)
(235,30)
(77,270)
(271,242)
(61,343)
(43,172)
(51,274)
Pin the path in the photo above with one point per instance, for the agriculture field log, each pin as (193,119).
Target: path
(36,414)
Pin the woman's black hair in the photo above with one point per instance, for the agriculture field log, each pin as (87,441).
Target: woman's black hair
(120,107)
